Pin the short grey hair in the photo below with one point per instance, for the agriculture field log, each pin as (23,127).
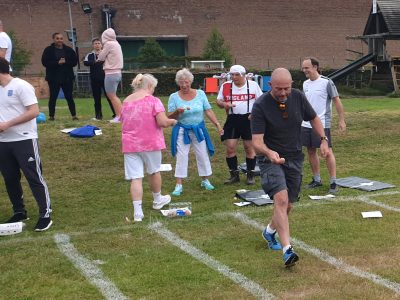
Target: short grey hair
(183,75)
(143,81)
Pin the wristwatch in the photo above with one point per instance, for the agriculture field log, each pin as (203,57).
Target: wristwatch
(324,138)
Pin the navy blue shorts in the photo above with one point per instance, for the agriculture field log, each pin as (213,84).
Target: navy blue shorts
(311,140)
(276,178)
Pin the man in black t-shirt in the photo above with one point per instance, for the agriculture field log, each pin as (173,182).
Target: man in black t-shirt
(276,135)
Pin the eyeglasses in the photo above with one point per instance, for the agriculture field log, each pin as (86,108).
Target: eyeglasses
(282,107)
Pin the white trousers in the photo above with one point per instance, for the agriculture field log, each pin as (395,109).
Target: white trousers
(182,156)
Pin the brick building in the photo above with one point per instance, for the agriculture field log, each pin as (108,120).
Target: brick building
(262,34)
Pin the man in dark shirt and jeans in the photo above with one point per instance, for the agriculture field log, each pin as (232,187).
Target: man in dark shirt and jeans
(60,60)
(97,78)
(276,135)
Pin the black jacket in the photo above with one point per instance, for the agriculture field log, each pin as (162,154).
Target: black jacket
(96,69)
(56,72)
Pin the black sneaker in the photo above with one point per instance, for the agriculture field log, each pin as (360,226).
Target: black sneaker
(313,184)
(43,224)
(333,188)
(18,217)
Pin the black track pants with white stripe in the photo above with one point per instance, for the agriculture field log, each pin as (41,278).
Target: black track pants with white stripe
(24,155)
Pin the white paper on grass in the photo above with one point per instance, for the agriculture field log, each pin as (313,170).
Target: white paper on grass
(321,197)
(243,203)
(67,130)
(11,228)
(165,167)
(363,184)
(98,132)
(371,214)
(241,191)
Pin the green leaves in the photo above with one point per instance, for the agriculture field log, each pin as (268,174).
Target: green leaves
(21,57)
(151,51)
(216,49)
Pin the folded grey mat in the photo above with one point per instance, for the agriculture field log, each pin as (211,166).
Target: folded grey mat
(257,197)
(363,184)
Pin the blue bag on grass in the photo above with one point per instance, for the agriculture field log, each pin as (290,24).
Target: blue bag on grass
(84,131)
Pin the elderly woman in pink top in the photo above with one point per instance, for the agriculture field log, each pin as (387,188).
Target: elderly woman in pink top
(113,64)
(143,117)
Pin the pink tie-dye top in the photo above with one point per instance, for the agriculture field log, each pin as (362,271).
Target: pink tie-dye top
(140,132)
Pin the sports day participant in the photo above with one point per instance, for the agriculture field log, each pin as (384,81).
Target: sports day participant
(97,78)
(113,59)
(143,119)
(237,96)
(189,106)
(19,149)
(276,129)
(320,92)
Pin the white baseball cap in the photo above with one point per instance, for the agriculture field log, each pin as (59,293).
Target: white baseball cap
(237,69)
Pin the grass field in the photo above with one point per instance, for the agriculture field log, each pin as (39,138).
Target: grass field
(92,252)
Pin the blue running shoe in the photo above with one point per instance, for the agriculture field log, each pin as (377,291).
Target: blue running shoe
(290,257)
(273,244)
(207,185)
(178,190)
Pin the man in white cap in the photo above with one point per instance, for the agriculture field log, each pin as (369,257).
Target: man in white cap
(237,97)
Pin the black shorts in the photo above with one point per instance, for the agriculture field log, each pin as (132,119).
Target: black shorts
(310,139)
(237,126)
(276,178)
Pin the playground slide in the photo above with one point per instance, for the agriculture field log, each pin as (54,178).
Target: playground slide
(352,67)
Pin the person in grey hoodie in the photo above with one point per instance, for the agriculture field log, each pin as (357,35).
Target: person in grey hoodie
(113,60)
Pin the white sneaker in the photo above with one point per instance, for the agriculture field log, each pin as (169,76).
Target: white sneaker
(138,217)
(163,201)
(115,120)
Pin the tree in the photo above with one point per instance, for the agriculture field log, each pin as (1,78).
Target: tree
(151,51)
(215,48)
(21,57)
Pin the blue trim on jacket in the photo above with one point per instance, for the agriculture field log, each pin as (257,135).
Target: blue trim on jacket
(199,130)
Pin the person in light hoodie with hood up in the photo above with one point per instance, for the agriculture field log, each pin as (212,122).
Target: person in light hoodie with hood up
(113,60)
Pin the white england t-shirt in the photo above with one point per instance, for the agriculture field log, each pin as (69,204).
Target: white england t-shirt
(14,98)
(319,93)
(243,101)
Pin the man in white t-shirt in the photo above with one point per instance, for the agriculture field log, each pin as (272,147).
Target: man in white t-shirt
(5,44)
(19,149)
(320,92)
(237,97)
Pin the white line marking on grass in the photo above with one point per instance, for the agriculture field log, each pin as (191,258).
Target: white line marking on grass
(254,288)
(366,199)
(339,264)
(88,268)
(360,198)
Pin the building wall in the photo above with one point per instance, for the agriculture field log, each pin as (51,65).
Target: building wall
(262,34)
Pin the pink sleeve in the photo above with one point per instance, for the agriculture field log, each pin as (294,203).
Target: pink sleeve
(157,106)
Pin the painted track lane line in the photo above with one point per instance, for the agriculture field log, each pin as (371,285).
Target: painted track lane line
(88,268)
(337,263)
(361,198)
(254,288)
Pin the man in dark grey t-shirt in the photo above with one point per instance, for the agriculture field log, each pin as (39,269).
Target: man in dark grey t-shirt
(276,135)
